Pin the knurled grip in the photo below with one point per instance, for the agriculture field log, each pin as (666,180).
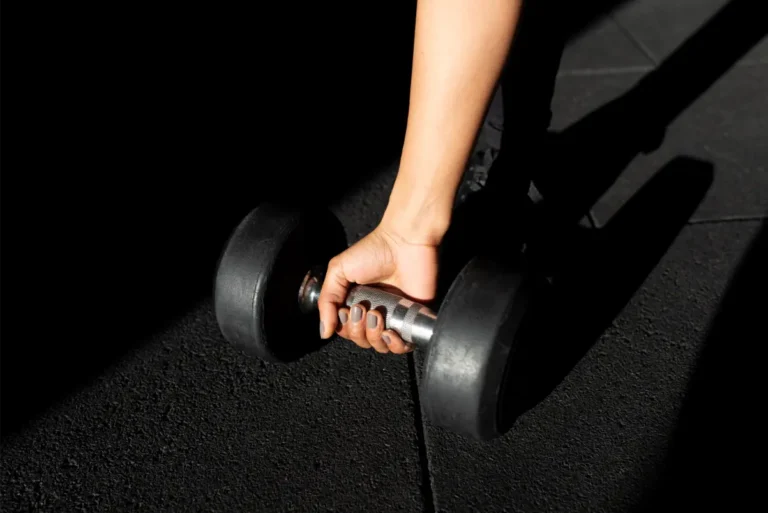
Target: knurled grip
(411,320)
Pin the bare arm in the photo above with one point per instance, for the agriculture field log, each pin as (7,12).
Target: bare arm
(459,51)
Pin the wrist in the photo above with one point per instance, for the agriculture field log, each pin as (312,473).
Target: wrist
(417,217)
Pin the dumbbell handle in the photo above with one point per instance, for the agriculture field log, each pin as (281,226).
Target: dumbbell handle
(414,322)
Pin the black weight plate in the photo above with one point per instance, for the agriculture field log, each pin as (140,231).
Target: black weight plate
(475,333)
(258,278)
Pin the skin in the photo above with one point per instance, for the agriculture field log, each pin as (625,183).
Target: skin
(460,47)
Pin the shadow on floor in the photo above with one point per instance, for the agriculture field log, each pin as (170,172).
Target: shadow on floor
(574,169)
(721,432)
(604,142)
(149,166)
(599,272)
(177,123)
(147,160)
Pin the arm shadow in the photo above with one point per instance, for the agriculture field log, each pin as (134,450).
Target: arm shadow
(600,273)
(604,142)
(590,288)
(720,427)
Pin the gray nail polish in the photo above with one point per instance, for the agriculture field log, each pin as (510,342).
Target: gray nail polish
(322,328)
(386,340)
(357,314)
(343,317)
(372,320)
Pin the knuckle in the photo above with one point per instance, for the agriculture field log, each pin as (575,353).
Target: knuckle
(334,263)
(329,298)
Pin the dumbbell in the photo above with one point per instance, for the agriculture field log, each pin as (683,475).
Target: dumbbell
(269,277)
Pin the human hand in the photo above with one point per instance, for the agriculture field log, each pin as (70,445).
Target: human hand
(384,258)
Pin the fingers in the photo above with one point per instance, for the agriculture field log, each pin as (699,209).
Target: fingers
(394,343)
(374,325)
(341,328)
(356,326)
(351,329)
(366,329)
(332,296)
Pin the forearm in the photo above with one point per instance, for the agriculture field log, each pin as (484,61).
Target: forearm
(459,51)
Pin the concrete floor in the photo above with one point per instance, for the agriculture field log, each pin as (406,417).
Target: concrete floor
(656,410)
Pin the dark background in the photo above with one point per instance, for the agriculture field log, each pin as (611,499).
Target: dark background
(139,136)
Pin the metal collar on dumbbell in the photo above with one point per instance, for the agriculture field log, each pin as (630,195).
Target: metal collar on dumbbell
(414,322)
(309,292)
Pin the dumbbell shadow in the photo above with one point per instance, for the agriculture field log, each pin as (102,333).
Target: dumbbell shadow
(591,288)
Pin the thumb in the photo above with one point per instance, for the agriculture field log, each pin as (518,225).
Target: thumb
(332,295)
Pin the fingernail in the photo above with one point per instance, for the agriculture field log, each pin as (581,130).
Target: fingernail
(386,339)
(357,314)
(322,328)
(372,320)
(343,317)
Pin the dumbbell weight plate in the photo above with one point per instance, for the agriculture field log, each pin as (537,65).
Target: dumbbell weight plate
(476,332)
(260,273)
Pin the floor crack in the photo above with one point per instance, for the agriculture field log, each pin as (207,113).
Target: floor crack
(729,219)
(635,41)
(426,486)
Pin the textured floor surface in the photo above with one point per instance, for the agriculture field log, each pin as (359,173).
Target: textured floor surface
(650,401)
